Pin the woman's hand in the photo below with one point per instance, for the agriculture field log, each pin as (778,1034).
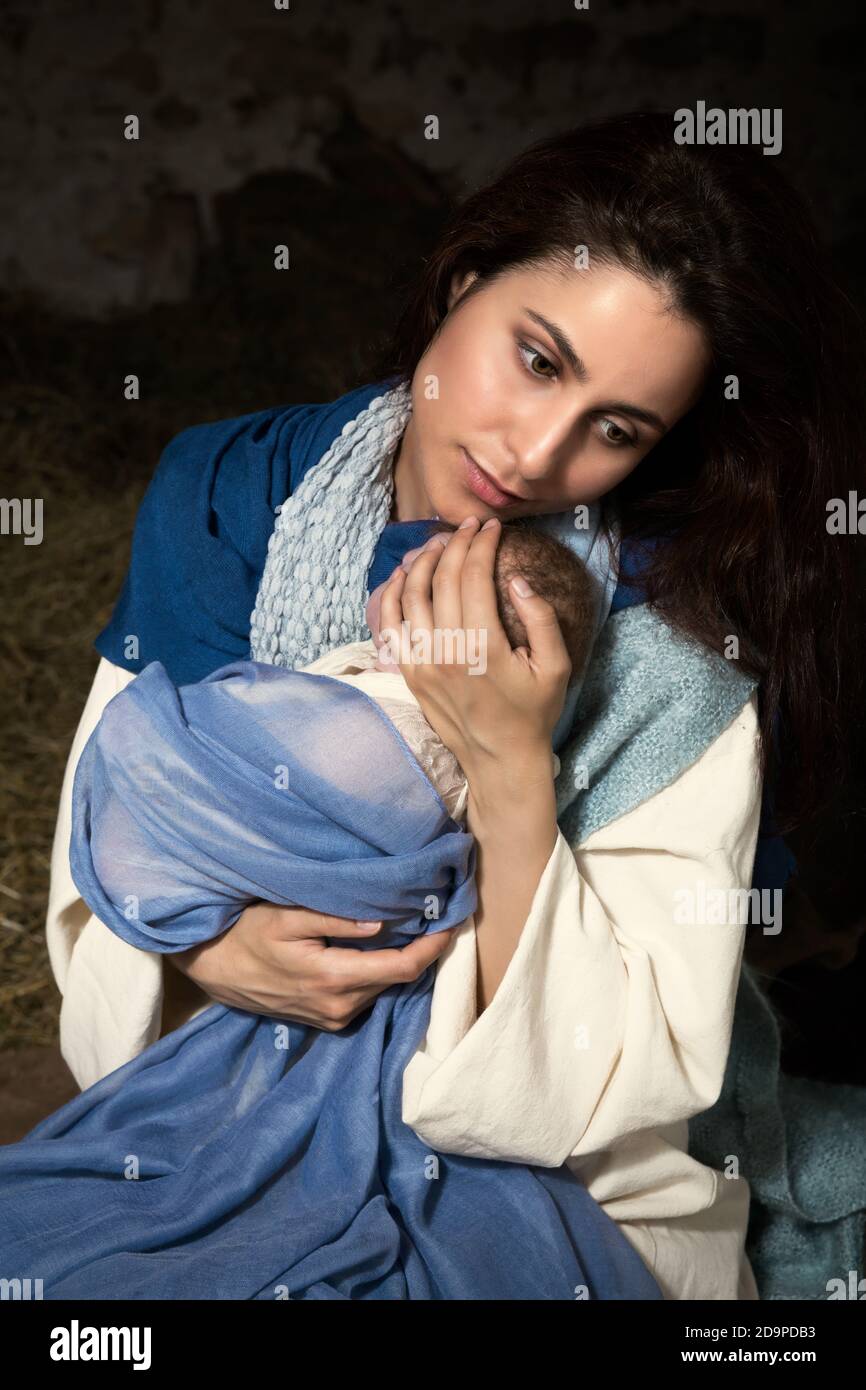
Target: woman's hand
(497,708)
(275,961)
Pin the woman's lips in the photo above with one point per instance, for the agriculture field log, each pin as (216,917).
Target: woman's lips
(483,485)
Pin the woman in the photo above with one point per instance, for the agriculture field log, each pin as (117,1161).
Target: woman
(615,317)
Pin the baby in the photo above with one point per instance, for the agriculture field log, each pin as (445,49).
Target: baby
(553,571)
(190,802)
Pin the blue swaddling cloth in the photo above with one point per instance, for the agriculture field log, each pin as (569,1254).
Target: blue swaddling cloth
(244,1157)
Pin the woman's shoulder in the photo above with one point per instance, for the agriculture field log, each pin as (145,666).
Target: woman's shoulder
(202,531)
(258,458)
(652,703)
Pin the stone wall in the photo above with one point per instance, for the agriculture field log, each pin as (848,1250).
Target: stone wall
(226,91)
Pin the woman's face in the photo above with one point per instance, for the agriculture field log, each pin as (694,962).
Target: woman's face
(539,383)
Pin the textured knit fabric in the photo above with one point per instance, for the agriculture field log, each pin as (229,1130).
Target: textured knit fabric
(802,1145)
(652,701)
(311,595)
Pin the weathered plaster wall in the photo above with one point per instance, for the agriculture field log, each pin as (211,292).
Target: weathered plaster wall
(229,89)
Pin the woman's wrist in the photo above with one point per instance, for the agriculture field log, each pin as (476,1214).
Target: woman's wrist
(500,785)
(515,837)
(514,818)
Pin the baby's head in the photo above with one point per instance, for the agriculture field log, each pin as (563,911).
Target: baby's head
(552,570)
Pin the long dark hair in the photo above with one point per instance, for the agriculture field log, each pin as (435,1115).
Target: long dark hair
(739,488)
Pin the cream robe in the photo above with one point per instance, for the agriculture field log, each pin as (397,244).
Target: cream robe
(610,1028)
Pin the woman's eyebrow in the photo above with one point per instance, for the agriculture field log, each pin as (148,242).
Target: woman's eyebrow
(578,366)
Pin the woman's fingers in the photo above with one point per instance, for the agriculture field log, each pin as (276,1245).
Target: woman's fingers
(480,609)
(416,597)
(412,555)
(343,926)
(281,965)
(387,965)
(302,922)
(447,580)
(391,615)
(406,597)
(431,595)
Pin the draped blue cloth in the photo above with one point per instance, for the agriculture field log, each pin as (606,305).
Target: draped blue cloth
(245,1157)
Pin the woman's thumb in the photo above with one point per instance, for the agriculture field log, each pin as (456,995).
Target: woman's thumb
(540,620)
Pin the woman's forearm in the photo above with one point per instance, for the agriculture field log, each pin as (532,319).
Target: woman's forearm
(514,824)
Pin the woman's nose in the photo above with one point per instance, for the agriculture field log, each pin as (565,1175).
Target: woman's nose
(543,442)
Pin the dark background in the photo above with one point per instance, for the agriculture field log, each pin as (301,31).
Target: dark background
(155,257)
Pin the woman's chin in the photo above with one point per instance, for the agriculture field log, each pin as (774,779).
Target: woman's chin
(451,511)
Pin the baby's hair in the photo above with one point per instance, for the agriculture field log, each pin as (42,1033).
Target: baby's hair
(557,575)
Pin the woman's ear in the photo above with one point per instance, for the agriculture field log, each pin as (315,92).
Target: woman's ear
(459,285)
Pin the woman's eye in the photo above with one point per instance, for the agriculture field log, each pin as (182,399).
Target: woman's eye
(537,357)
(620,438)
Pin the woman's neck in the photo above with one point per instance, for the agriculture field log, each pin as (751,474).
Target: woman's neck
(410,502)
